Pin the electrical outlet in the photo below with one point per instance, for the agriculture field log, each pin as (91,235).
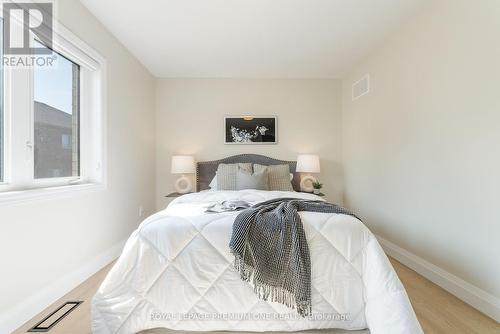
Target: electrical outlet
(141,211)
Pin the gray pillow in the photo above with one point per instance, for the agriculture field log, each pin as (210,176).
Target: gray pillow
(226,175)
(257,181)
(278,176)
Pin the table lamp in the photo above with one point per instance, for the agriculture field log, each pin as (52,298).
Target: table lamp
(307,163)
(183,164)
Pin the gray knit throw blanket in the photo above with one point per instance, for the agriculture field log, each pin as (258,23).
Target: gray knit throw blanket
(270,249)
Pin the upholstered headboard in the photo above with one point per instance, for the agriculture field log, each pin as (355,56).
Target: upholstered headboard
(205,170)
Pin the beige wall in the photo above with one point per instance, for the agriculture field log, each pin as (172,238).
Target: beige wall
(190,116)
(421,152)
(45,240)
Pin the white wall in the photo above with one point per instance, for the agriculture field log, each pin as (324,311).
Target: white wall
(190,112)
(421,152)
(43,241)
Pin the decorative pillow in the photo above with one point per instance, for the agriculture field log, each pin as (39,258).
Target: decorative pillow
(278,176)
(257,181)
(226,175)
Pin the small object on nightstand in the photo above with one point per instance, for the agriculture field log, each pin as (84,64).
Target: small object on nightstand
(317,187)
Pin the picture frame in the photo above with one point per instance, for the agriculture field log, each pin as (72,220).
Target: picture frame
(250,130)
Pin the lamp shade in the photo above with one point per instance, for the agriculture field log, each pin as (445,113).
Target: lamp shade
(308,163)
(182,164)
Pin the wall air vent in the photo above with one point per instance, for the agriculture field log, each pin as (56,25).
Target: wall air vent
(361,87)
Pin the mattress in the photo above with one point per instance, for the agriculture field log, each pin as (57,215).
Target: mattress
(176,272)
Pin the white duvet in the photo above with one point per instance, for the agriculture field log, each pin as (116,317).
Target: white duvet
(176,272)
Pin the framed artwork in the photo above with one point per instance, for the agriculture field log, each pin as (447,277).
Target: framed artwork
(250,130)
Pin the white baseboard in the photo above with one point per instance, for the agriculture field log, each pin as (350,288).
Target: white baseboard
(471,294)
(27,309)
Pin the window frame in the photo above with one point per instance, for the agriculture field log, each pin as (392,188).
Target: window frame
(20,185)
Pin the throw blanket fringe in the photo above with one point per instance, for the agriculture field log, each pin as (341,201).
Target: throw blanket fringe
(271,250)
(268,292)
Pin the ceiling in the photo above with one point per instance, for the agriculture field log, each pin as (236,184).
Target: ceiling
(251,38)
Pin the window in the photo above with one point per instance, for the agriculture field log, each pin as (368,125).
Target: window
(52,134)
(56,115)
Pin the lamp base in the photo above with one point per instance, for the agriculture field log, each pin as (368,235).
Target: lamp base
(183,189)
(306,183)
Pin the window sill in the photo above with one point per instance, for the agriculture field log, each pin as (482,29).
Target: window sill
(29,195)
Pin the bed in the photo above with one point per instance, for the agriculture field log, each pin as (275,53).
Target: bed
(176,272)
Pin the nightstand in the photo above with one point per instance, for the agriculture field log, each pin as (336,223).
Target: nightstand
(175,194)
(320,194)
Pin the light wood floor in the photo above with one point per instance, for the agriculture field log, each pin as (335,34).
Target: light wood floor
(438,311)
